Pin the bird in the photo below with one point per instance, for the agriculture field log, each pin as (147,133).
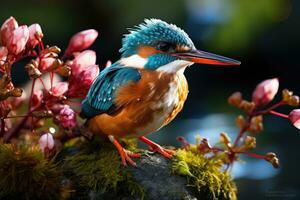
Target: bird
(146,88)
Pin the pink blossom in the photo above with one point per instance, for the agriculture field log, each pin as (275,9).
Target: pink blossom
(37,98)
(83,61)
(56,108)
(35,35)
(46,63)
(60,89)
(67,118)
(7,28)
(81,41)
(265,92)
(3,55)
(18,39)
(46,142)
(85,79)
(294,117)
(108,63)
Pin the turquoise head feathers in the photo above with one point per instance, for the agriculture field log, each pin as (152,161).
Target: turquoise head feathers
(161,36)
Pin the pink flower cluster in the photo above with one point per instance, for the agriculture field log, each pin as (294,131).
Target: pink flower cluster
(84,68)
(17,40)
(56,100)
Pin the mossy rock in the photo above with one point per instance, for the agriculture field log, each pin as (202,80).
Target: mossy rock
(95,172)
(92,170)
(25,174)
(204,174)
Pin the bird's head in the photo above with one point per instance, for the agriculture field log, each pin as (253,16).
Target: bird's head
(157,45)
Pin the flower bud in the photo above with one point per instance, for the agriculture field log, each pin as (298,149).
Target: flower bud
(54,49)
(108,63)
(64,71)
(18,39)
(81,41)
(250,142)
(235,99)
(286,94)
(293,101)
(247,106)
(272,158)
(240,121)
(60,89)
(16,92)
(204,146)
(3,55)
(85,79)
(35,35)
(46,142)
(289,98)
(256,124)
(265,92)
(82,61)
(294,117)
(7,28)
(67,118)
(33,71)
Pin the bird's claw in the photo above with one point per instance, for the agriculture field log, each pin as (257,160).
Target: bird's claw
(126,157)
(124,154)
(157,148)
(163,151)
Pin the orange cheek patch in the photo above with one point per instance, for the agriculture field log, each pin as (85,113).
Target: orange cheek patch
(146,51)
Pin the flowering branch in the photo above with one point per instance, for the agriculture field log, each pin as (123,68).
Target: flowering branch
(263,94)
(54,100)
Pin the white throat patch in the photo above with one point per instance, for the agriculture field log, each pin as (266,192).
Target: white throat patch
(139,62)
(134,61)
(174,66)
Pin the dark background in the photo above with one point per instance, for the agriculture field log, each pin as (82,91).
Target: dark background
(263,34)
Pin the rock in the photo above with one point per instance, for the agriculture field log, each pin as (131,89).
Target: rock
(154,175)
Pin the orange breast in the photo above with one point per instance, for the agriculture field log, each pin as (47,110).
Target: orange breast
(145,106)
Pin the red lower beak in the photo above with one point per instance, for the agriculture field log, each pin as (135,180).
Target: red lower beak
(203,57)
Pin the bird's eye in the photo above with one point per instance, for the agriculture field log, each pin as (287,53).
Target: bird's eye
(165,46)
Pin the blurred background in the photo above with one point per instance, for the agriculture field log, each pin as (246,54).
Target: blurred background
(263,34)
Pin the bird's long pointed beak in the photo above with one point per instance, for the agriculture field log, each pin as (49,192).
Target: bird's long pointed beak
(203,57)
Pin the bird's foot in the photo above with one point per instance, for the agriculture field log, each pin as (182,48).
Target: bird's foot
(124,154)
(154,147)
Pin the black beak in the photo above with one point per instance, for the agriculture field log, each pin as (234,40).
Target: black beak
(203,57)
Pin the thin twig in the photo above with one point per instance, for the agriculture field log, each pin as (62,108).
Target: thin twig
(278,114)
(253,155)
(41,80)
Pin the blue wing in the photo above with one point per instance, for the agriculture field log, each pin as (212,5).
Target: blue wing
(102,92)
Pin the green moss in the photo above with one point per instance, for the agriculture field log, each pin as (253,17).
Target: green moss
(204,174)
(25,174)
(96,167)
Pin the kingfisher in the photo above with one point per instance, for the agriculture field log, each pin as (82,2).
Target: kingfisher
(146,88)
